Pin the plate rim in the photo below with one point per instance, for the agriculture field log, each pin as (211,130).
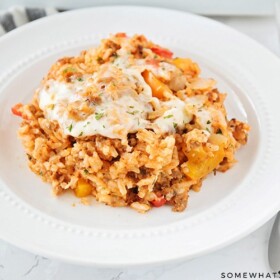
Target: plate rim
(138,7)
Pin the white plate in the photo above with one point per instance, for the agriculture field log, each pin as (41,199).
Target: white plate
(229,206)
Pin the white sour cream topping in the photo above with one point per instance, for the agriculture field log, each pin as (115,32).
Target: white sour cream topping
(175,117)
(119,113)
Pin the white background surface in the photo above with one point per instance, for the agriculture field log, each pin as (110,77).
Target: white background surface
(247,255)
(209,7)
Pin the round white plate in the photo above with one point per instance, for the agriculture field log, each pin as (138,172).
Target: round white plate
(229,205)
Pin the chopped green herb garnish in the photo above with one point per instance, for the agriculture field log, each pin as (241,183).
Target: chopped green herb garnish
(98,116)
(208,122)
(52,106)
(219,131)
(133,112)
(100,94)
(131,106)
(163,68)
(155,56)
(81,133)
(70,127)
(208,129)
(86,171)
(175,125)
(86,124)
(103,126)
(80,79)
(115,55)
(168,116)
(41,173)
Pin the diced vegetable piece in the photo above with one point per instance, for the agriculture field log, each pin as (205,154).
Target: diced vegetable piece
(16,109)
(197,155)
(159,89)
(200,163)
(178,83)
(187,66)
(159,202)
(162,52)
(182,63)
(83,188)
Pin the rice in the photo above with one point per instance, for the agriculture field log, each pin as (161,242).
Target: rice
(142,169)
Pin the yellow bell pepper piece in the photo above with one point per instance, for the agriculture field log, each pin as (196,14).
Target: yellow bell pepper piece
(200,162)
(159,89)
(198,170)
(187,66)
(197,155)
(83,188)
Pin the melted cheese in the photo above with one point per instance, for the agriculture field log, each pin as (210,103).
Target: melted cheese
(125,101)
(111,118)
(175,116)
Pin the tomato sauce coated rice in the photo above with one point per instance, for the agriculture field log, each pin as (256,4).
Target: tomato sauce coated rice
(129,125)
